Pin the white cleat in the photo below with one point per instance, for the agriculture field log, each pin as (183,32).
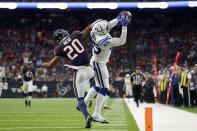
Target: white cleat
(98,118)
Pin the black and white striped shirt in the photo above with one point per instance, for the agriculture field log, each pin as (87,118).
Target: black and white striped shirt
(137,78)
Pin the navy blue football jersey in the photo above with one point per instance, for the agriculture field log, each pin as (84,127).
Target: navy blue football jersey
(28,73)
(72,49)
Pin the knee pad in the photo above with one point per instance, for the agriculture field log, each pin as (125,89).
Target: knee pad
(96,88)
(103,91)
(30,93)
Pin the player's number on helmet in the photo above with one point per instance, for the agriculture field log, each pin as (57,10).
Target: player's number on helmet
(77,46)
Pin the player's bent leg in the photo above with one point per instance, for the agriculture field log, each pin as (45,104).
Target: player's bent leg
(80,83)
(91,93)
(26,96)
(25,93)
(29,98)
(93,90)
(106,102)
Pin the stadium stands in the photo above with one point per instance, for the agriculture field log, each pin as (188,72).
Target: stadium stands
(28,34)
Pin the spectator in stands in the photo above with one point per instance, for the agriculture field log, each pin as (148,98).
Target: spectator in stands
(45,90)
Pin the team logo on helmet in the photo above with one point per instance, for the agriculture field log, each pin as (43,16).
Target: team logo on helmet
(59,34)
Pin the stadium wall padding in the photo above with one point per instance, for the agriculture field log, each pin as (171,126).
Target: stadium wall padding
(64,89)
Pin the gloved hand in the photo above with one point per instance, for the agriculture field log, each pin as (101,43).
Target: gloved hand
(125,21)
(119,18)
(39,63)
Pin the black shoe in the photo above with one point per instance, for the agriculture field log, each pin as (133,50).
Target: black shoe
(88,121)
(29,103)
(26,103)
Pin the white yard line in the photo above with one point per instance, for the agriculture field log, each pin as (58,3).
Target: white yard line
(165,118)
(116,116)
(11,128)
(36,120)
(40,115)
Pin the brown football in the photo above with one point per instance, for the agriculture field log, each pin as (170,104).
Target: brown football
(127,13)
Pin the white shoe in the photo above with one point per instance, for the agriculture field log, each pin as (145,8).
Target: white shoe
(98,118)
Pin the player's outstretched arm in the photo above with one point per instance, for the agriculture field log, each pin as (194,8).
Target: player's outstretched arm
(122,40)
(112,24)
(86,31)
(50,64)
(115,21)
(124,87)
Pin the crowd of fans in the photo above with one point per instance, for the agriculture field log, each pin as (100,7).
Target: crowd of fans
(27,39)
(28,36)
(162,37)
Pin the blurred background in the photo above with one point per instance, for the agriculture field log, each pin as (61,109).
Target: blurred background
(26,34)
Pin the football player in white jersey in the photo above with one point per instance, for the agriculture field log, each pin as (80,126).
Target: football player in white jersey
(102,44)
(2,73)
(127,86)
(2,79)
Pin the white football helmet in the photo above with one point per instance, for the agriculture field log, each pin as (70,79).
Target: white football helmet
(99,27)
(127,76)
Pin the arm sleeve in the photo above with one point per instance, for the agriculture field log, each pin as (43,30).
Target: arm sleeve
(56,51)
(119,41)
(189,76)
(77,34)
(112,24)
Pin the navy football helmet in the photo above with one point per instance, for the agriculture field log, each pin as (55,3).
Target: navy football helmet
(59,34)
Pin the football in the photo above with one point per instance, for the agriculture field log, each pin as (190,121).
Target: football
(127,13)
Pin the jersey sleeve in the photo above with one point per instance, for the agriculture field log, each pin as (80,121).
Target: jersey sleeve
(114,42)
(105,41)
(77,34)
(56,51)
(132,77)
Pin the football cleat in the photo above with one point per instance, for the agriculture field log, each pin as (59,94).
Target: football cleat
(107,108)
(100,119)
(88,121)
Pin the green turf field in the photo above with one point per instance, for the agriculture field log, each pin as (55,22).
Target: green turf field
(192,110)
(60,115)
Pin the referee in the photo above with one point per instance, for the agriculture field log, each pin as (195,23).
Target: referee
(136,78)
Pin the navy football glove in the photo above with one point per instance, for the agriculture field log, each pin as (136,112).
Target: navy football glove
(39,63)
(125,21)
(119,18)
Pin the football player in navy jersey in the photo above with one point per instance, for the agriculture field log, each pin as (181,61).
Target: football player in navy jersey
(28,76)
(71,47)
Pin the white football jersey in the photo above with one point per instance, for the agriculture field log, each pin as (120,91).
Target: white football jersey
(2,72)
(102,40)
(127,83)
(101,49)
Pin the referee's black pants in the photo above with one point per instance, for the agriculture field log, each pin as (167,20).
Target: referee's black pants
(185,96)
(136,93)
